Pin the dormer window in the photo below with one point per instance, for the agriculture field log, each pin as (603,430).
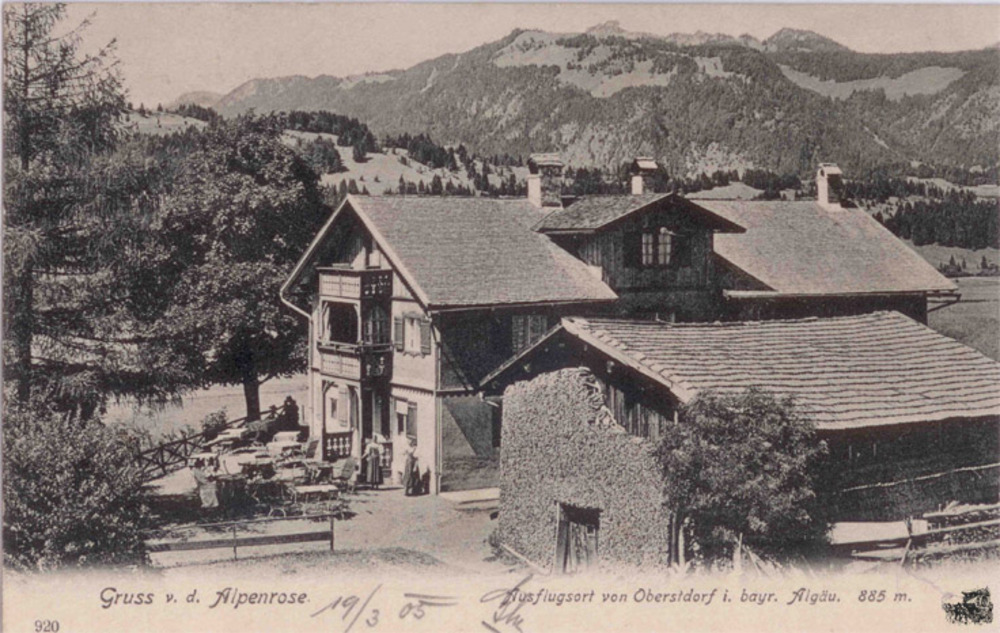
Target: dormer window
(664,241)
(658,247)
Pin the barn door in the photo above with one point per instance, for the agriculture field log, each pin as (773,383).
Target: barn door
(576,546)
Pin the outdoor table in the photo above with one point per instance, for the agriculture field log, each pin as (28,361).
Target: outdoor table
(232,490)
(277,447)
(262,468)
(320,471)
(317,493)
(269,491)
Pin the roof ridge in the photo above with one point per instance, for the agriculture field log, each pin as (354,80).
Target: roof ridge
(868,316)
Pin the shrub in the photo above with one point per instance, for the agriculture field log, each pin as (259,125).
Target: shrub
(742,468)
(72,491)
(213,424)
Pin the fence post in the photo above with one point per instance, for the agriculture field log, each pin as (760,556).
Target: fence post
(331,532)
(234,541)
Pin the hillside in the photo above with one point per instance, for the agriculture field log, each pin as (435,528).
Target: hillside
(698,102)
(203,98)
(160,123)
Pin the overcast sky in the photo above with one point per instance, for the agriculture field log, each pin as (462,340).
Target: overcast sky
(169,49)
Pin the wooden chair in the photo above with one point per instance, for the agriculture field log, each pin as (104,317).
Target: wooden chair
(345,477)
(311,449)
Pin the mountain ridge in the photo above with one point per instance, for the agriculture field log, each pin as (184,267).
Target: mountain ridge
(695,102)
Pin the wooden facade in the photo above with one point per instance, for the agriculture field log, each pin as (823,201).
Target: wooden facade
(659,262)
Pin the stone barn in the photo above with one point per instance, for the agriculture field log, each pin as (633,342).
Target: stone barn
(910,418)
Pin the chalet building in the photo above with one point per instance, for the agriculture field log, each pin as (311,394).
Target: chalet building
(911,419)
(413,301)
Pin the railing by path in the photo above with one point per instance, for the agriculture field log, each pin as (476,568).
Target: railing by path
(968,529)
(167,457)
(895,500)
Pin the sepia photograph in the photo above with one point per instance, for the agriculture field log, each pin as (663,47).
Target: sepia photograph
(500,317)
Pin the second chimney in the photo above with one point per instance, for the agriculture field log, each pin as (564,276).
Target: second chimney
(545,180)
(643,171)
(829,185)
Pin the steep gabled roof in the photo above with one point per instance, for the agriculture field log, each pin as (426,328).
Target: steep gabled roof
(844,372)
(469,252)
(808,249)
(592,213)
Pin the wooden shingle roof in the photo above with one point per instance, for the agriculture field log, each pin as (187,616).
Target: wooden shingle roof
(804,248)
(591,213)
(478,251)
(844,372)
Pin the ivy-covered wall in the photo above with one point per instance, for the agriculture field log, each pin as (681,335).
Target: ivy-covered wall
(560,445)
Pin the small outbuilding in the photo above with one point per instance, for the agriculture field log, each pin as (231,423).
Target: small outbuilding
(910,417)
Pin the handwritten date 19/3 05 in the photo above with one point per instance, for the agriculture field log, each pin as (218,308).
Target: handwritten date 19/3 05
(353,608)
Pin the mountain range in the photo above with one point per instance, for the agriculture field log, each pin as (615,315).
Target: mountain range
(697,102)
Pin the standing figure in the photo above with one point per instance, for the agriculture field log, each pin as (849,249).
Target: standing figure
(373,472)
(206,485)
(411,470)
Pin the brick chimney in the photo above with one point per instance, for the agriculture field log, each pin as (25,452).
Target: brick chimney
(545,180)
(829,185)
(643,170)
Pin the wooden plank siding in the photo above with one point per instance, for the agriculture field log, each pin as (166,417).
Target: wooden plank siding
(639,412)
(685,290)
(607,250)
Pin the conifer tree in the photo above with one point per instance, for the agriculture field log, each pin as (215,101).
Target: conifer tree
(70,203)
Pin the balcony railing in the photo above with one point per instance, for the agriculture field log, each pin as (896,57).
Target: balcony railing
(355,361)
(347,283)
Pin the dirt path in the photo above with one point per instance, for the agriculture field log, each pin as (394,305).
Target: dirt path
(429,527)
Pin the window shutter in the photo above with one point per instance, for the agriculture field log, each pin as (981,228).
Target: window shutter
(425,337)
(411,420)
(633,249)
(682,250)
(397,333)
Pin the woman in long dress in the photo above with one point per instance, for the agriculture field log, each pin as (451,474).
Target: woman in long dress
(206,486)
(374,466)
(410,473)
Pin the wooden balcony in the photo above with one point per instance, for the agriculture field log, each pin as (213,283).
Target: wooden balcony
(355,361)
(347,283)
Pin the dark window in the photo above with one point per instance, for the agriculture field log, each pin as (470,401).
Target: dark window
(341,323)
(411,420)
(633,250)
(376,325)
(497,420)
(576,539)
(657,248)
(527,329)
(681,251)
(664,244)
(397,333)
(648,249)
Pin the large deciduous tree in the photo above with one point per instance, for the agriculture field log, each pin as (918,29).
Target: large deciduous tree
(743,469)
(239,214)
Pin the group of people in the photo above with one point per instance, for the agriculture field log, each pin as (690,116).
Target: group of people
(371,466)
(208,491)
(276,422)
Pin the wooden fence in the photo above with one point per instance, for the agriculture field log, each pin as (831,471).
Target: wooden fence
(168,457)
(895,500)
(974,528)
(235,541)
